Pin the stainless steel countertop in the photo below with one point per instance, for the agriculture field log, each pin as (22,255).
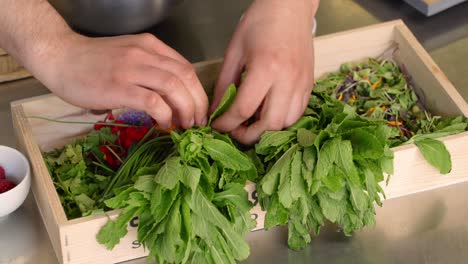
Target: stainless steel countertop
(429,227)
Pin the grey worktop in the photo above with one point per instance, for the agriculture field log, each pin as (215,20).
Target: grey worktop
(429,227)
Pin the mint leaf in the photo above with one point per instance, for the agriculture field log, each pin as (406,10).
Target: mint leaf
(113,231)
(298,187)
(271,139)
(365,144)
(227,155)
(233,194)
(145,183)
(226,101)
(326,157)
(436,154)
(276,213)
(190,177)
(344,159)
(305,137)
(169,174)
(270,181)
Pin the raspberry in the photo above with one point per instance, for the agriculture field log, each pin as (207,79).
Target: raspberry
(6,185)
(2,173)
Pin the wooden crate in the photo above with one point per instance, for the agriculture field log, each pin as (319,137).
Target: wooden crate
(74,240)
(10,70)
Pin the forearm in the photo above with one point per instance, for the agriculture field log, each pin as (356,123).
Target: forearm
(32,32)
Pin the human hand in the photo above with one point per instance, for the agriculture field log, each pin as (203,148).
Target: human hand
(273,44)
(134,71)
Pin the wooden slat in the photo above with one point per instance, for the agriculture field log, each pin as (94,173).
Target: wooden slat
(10,70)
(428,77)
(44,191)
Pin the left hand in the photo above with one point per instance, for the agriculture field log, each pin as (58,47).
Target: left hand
(273,44)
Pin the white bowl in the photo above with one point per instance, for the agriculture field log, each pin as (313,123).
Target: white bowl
(17,170)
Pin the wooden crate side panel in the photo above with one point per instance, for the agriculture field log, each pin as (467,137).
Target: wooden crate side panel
(44,192)
(208,72)
(81,247)
(354,45)
(413,174)
(45,132)
(432,85)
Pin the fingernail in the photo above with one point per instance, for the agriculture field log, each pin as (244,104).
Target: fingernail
(204,121)
(192,122)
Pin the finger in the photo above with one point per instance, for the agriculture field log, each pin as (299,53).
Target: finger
(142,99)
(186,73)
(296,109)
(171,88)
(273,118)
(250,96)
(230,73)
(154,45)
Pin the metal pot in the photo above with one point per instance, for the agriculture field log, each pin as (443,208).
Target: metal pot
(113,17)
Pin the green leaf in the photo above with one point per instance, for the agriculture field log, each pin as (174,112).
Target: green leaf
(276,214)
(272,139)
(111,233)
(145,183)
(335,179)
(306,122)
(229,156)
(199,203)
(344,160)
(386,162)
(169,174)
(260,167)
(84,202)
(138,199)
(298,187)
(309,157)
(284,189)
(326,157)
(234,194)
(331,209)
(298,231)
(371,185)
(162,201)
(270,181)
(358,198)
(120,200)
(190,177)
(305,137)
(171,236)
(226,101)
(365,145)
(436,154)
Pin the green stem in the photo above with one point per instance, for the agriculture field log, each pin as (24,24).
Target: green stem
(115,154)
(80,122)
(103,166)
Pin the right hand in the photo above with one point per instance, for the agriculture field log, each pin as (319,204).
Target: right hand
(134,71)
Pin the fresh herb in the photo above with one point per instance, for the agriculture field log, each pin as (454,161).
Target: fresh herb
(89,170)
(326,167)
(379,89)
(191,206)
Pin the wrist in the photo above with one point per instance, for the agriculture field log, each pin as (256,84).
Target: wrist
(304,10)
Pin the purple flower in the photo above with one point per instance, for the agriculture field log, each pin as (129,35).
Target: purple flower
(136,118)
